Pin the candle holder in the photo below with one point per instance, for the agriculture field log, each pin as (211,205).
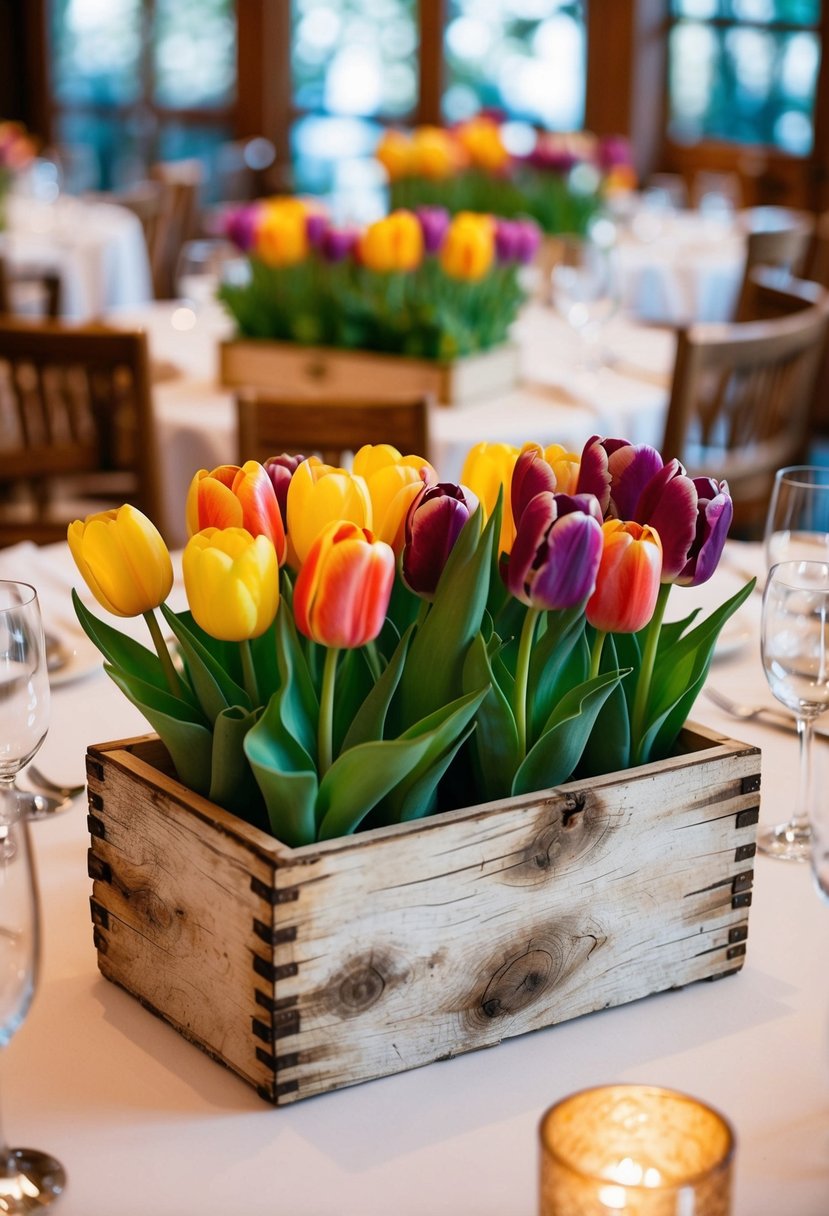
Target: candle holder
(636,1149)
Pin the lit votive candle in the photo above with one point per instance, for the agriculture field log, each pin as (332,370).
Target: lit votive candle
(635,1149)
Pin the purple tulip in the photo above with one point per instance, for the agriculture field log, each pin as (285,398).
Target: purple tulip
(240,226)
(531,475)
(281,469)
(614,150)
(434,222)
(528,238)
(557,550)
(433,524)
(714,512)
(594,472)
(506,240)
(337,244)
(316,226)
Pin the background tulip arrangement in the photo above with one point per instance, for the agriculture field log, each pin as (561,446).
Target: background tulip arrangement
(561,183)
(420,284)
(17,150)
(369,646)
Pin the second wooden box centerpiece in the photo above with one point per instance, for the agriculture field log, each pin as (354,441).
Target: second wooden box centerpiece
(414,795)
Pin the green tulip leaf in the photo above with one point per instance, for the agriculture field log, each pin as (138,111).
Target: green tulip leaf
(629,653)
(359,778)
(285,774)
(554,757)
(355,681)
(433,675)
(672,631)
(608,746)
(413,796)
(299,704)
(118,649)
(369,722)
(404,608)
(186,738)
(495,745)
(557,663)
(232,784)
(265,661)
(213,686)
(225,653)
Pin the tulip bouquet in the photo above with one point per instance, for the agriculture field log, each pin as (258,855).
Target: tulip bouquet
(418,284)
(17,150)
(561,183)
(369,646)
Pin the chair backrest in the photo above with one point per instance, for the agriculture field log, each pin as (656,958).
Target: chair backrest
(75,421)
(818,263)
(269,427)
(180,183)
(741,399)
(31,290)
(785,245)
(147,201)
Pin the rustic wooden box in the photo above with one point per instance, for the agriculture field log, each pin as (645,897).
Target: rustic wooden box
(309,969)
(290,370)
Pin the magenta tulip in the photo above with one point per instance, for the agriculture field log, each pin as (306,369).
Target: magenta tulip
(532,475)
(433,524)
(714,513)
(434,222)
(594,472)
(557,550)
(281,469)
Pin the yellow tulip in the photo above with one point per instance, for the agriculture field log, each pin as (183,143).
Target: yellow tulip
(394,154)
(232,582)
(317,496)
(392,244)
(468,248)
(486,471)
(565,465)
(480,137)
(393,481)
(123,560)
(281,237)
(435,153)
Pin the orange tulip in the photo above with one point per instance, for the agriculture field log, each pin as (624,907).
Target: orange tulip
(234,497)
(342,591)
(628,580)
(281,237)
(480,137)
(435,153)
(468,248)
(394,154)
(392,244)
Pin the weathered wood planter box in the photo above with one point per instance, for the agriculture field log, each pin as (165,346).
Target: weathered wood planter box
(309,969)
(289,369)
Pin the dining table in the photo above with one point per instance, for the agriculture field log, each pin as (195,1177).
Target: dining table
(564,394)
(143,1121)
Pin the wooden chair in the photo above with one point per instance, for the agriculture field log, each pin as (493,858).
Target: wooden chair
(180,183)
(330,429)
(147,201)
(784,244)
(75,427)
(741,399)
(29,289)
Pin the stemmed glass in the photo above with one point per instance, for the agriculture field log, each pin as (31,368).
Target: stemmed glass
(584,291)
(795,650)
(29,1179)
(797,524)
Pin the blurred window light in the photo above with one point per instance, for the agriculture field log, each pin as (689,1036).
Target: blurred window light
(744,71)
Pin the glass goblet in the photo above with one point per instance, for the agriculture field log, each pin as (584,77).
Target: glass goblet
(797,524)
(584,292)
(795,650)
(29,1179)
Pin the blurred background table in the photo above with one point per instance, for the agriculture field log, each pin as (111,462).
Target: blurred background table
(140,1118)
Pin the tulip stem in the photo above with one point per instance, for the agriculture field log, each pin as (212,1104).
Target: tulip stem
(325,733)
(249,673)
(596,653)
(170,673)
(522,675)
(643,684)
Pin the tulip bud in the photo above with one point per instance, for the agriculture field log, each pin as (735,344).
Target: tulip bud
(319,495)
(338,243)
(123,560)
(487,471)
(557,549)
(627,583)
(434,222)
(433,524)
(233,497)
(342,591)
(281,469)
(393,482)
(232,582)
(469,246)
(714,513)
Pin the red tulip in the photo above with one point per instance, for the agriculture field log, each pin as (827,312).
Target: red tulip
(433,524)
(233,497)
(342,591)
(628,580)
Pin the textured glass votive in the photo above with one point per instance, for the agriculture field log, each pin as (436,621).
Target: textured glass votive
(635,1149)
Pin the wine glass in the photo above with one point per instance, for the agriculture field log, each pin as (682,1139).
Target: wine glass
(29,1179)
(795,650)
(797,524)
(199,270)
(584,291)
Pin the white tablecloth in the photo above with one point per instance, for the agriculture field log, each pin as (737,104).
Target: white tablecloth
(554,403)
(144,1121)
(98,249)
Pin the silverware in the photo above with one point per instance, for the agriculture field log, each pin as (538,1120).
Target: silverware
(36,805)
(46,785)
(748,713)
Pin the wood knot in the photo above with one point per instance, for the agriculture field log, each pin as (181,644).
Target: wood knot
(574,804)
(518,983)
(362,988)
